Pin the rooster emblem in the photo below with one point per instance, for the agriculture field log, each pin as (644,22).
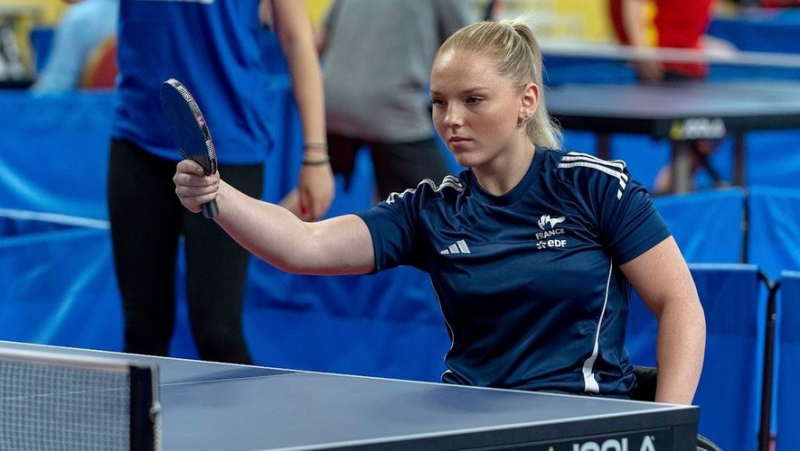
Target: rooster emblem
(546,220)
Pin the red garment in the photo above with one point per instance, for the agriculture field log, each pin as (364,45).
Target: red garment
(678,24)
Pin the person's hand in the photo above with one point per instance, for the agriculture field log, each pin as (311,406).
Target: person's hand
(316,189)
(193,187)
(649,71)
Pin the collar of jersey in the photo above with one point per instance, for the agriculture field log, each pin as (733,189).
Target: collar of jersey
(517,192)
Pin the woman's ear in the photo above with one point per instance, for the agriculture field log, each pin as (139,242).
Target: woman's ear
(529,100)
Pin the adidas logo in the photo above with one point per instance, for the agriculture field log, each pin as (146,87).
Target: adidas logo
(459,247)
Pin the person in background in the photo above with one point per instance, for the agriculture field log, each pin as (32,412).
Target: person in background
(532,250)
(82,28)
(663,24)
(377,56)
(675,25)
(213,49)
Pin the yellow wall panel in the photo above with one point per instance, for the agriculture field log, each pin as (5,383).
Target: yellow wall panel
(585,20)
(47,11)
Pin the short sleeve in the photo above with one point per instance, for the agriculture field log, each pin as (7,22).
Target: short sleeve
(628,221)
(394,227)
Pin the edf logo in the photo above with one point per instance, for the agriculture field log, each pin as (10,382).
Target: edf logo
(614,445)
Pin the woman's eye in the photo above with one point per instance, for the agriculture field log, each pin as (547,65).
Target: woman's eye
(473,100)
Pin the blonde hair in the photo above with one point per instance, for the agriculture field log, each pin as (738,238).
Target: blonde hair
(514,46)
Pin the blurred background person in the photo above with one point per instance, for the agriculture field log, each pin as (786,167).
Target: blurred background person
(377,56)
(213,49)
(83,27)
(668,24)
(680,24)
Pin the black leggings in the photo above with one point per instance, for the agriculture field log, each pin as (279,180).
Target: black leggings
(147,221)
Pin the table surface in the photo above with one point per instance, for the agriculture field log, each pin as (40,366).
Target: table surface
(653,109)
(234,407)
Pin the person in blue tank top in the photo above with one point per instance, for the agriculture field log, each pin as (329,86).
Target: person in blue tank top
(213,48)
(532,250)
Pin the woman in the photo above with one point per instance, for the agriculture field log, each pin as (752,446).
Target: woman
(531,251)
(213,49)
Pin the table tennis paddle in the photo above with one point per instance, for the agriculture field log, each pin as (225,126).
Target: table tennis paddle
(189,131)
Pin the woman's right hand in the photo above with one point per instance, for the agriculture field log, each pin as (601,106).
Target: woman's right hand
(193,187)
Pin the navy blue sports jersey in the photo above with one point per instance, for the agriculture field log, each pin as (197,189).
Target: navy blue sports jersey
(528,282)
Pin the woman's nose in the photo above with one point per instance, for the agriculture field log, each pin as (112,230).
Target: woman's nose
(453,117)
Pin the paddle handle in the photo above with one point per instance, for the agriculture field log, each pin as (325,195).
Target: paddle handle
(210,209)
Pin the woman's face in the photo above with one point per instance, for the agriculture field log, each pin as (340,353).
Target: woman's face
(476,110)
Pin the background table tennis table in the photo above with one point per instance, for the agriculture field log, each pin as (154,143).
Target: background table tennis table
(678,111)
(235,407)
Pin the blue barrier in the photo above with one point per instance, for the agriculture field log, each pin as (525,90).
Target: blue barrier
(388,324)
(788,362)
(59,288)
(760,29)
(53,155)
(706,225)
(729,393)
(774,215)
(68,297)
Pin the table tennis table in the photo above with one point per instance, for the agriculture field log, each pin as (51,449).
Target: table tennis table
(215,406)
(680,112)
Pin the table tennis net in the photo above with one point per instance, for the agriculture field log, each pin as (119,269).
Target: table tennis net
(51,402)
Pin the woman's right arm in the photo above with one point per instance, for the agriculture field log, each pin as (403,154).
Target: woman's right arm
(340,245)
